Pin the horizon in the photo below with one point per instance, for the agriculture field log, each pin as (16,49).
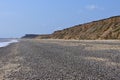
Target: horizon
(18,18)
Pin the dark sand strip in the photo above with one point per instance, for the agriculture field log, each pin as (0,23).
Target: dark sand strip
(60,60)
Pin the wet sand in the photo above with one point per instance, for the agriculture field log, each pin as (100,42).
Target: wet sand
(61,60)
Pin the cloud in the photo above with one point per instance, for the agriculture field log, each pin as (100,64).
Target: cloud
(93,7)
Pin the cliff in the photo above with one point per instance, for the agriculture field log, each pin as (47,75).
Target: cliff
(102,29)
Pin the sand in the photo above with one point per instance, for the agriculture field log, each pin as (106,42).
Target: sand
(61,60)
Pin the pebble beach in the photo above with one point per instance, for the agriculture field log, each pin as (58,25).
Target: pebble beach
(60,60)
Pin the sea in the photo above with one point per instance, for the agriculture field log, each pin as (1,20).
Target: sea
(7,41)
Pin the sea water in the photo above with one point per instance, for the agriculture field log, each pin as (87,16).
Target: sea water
(6,42)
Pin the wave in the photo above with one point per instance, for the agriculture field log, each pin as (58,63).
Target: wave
(4,44)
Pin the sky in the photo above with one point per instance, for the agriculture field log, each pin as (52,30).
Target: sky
(20,17)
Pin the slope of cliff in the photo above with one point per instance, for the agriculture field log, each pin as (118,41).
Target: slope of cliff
(102,29)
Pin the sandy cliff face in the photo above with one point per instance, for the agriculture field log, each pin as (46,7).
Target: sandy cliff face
(103,29)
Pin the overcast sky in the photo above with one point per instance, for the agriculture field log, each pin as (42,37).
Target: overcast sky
(19,17)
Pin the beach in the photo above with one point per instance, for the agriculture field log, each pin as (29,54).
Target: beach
(60,60)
